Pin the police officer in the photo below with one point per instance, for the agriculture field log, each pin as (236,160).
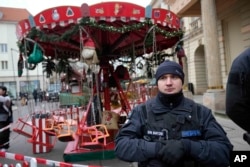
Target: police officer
(171,130)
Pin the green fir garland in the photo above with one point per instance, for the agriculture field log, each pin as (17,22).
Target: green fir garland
(86,21)
(73,29)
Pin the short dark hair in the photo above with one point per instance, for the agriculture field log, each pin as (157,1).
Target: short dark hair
(3,88)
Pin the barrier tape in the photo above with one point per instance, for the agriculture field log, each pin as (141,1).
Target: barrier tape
(6,127)
(20,157)
(25,164)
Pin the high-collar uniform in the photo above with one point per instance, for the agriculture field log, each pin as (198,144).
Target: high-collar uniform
(207,145)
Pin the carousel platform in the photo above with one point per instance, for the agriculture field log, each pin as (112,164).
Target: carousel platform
(74,153)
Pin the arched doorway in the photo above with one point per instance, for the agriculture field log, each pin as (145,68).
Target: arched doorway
(200,70)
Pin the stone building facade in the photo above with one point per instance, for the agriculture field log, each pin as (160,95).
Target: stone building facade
(216,31)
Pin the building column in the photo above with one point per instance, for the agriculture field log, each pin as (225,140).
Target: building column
(214,97)
(187,93)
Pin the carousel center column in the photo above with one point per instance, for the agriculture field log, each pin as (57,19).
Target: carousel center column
(214,97)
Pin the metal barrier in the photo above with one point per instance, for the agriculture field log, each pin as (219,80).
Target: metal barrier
(32,161)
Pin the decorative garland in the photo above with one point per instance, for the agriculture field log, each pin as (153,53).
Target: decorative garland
(86,21)
(91,23)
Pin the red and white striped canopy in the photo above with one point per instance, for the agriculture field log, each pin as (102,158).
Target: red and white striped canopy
(114,27)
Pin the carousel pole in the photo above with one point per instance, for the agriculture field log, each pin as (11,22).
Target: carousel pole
(14,75)
(106,88)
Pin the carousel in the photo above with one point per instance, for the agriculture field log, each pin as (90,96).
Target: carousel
(95,50)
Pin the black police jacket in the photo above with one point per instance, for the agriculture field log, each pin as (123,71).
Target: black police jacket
(211,149)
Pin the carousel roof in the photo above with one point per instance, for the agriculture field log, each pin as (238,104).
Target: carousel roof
(116,28)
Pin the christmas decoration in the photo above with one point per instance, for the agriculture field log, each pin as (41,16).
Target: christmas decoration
(20,65)
(180,52)
(36,56)
(88,52)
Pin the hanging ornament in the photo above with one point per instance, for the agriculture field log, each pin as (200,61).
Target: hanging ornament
(29,66)
(89,53)
(20,65)
(36,56)
(122,72)
(180,53)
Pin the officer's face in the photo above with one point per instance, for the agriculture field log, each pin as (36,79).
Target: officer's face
(2,91)
(169,84)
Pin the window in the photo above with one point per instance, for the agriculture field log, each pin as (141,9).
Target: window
(3,48)
(29,86)
(4,65)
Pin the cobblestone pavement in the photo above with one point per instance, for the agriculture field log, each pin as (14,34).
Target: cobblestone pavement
(19,144)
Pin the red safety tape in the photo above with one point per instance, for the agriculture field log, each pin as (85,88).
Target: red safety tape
(25,164)
(42,161)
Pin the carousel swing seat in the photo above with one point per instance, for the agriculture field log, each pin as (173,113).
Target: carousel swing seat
(21,128)
(94,136)
(65,133)
(65,130)
(58,125)
(52,124)
(49,129)
(25,128)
